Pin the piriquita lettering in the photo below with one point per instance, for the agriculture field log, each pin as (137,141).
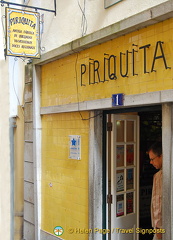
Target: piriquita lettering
(22,20)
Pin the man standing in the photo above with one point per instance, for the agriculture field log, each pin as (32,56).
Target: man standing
(155,155)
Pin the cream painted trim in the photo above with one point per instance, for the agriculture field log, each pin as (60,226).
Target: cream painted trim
(167,145)
(95,174)
(82,106)
(129,101)
(37,150)
(48,236)
(109,3)
(143,19)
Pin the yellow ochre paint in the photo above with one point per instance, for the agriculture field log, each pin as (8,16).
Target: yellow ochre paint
(64,192)
(61,79)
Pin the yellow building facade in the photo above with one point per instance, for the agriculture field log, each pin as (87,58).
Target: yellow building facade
(135,65)
(64,181)
(62,79)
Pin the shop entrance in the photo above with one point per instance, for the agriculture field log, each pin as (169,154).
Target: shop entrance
(150,131)
(129,173)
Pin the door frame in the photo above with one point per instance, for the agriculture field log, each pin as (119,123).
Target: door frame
(104,173)
(167,140)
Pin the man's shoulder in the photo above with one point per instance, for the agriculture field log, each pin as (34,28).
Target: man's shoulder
(158,174)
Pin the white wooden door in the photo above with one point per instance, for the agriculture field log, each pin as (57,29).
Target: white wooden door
(124,177)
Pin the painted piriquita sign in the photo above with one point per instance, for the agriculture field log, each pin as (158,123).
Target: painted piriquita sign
(22,33)
(112,66)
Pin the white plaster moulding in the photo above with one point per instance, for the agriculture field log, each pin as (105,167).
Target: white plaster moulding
(135,100)
(48,236)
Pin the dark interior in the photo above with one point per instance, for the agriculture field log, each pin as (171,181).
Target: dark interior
(150,131)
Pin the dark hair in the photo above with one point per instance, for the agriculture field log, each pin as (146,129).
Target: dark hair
(156,148)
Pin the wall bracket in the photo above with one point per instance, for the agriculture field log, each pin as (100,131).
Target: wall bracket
(36,8)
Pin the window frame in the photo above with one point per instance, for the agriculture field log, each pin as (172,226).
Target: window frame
(109,3)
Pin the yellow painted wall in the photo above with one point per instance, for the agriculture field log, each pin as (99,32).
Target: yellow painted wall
(64,181)
(60,85)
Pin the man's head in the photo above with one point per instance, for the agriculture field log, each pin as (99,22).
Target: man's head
(155,155)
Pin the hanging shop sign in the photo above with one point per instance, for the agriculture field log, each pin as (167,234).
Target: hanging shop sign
(22,33)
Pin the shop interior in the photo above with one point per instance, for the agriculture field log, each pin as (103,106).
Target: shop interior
(150,131)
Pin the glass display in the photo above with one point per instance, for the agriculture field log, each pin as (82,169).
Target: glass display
(120,130)
(120,205)
(130,154)
(130,131)
(130,178)
(120,156)
(129,202)
(120,180)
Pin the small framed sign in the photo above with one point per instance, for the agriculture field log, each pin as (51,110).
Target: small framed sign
(75,147)
(117,99)
(22,29)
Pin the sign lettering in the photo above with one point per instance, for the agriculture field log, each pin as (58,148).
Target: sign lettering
(91,73)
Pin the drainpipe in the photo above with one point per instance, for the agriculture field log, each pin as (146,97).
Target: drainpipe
(12,121)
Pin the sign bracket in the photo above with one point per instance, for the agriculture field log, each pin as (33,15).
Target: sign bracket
(36,8)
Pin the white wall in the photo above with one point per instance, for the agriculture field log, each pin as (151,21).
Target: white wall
(67,24)
(14,73)
(4,143)
(16,84)
(8,105)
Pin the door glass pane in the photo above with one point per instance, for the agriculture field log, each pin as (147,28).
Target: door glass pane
(130,131)
(120,156)
(130,202)
(130,178)
(120,205)
(120,180)
(130,154)
(120,130)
